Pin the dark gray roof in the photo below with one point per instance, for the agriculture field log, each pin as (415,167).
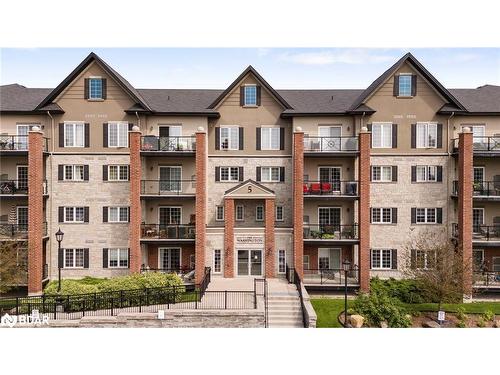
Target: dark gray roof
(178,100)
(483,99)
(319,101)
(19,98)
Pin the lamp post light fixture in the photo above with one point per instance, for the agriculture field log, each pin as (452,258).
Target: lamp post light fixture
(59,238)
(347,266)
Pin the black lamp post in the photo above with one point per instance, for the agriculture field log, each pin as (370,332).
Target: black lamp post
(59,238)
(347,265)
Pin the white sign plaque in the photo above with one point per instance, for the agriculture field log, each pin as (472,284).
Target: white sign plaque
(441,316)
(161,314)
(249,240)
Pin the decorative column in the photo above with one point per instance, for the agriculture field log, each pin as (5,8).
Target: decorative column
(35,211)
(270,251)
(298,201)
(135,200)
(201,203)
(229,237)
(364,210)
(465,180)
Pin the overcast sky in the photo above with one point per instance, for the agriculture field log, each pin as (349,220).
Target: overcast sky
(312,68)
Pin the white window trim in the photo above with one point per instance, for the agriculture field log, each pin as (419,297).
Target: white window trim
(281,251)
(270,174)
(119,166)
(381,215)
(229,148)
(484,172)
(426,137)
(269,147)
(221,263)
(216,213)
(120,251)
(18,208)
(282,213)
(180,213)
(399,86)
(242,212)
(263,213)
(18,167)
(482,216)
(426,260)
(338,207)
(381,174)
(306,260)
(426,215)
(74,215)
(74,266)
(120,208)
(102,91)
(73,179)
(382,134)
(160,265)
(118,138)
(381,267)
(229,174)
(427,167)
(73,124)
(245,95)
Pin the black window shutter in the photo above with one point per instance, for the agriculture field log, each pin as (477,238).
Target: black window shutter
(371,254)
(396,86)
(86,172)
(414,85)
(240,137)
(61,135)
(240,173)
(105,258)
(282,138)
(105,134)
(130,126)
(61,214)
(413,135)
(394,173)
(128,213)
(413,259)
(371,214)
(87,134)
(104,88)
(128,257)
(257,174)
(86,88)
(394,215)
(217,138)
(105,214)
(413,215)
(257,139)
(371,172)
(259,94)
(60,172)
(282,174)
(86,258)
(217,174)
(394,257)
(128,172)
(394,135)
(439,136)
(60,258)
(105,173)
(439,173)
(413,173)
(439,215)
(242,96)
(369,127)
(86,214)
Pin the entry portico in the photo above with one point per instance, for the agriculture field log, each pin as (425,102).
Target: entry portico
(249,251)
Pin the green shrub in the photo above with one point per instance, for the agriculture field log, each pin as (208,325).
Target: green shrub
(481,323)
(461,324)
(70,287)
(461,313)
(489,315)
(406,290)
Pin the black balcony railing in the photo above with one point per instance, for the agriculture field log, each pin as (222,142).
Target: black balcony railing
(17,143)
(486,279)
(480,232)
(481,188)
(14,187)
(179,270)
(482,144)
(330,144)
(331,232)
(168,144)
(14,231)
(168,187)
(168,231)
(331,188)
(331,276)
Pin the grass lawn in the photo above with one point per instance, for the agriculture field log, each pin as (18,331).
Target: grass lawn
(470,308)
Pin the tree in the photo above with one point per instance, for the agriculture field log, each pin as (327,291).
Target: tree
(437,265)
(13,265)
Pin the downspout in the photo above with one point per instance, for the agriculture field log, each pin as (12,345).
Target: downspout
(448,123)
(48,257)
(138,119)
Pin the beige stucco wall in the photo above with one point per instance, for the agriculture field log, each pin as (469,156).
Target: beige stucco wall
(309,124)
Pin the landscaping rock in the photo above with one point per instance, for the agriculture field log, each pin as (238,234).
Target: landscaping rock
(384,324)
(430,324)
(496,323)
(356,321)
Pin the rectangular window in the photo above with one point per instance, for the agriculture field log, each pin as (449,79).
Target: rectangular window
(426,173)
(381,173)
(118,172)
(281,261)
(118,258)
(477,219)
(229,138)
(22,177)
(229,174)
(270,174)
(74,214)
(280,213)
(381,259)
(404,85)
(118,134)
(118,214)
(424,259)
(240,213)
(496,264)
(250,92)
(270,138)
(426,135)
(95,88)
(74,134)
(381,215)
(382,135)
(219,213)
(306,262)
(73,173)
(259,213)
(217,261)
(426,216)
(74,258)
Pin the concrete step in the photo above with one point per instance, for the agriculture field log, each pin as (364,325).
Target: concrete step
(286,308)
(284,298)
(286,325)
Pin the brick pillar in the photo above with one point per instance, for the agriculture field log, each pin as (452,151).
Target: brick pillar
(364,210)
(135,200)
(35,211)
(298,200)
(465,179)
(201,203)
(229,237)
(270,252)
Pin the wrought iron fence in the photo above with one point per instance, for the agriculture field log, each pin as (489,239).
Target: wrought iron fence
(17,143)
(168,144)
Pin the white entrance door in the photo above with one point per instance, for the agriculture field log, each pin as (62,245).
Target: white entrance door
(22,141)
(170,259)
(249,263)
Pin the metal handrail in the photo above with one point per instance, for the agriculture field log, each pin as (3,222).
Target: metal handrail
(168,187)
(482,143)
(335,187)
(18,143)
(168,231)
(168,144)
(481,188)
(330,144)
(331,275)
(330,231)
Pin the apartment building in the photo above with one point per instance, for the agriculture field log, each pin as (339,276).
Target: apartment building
(250,180)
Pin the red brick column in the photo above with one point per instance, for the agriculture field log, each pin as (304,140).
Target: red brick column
(201,203)
(298,200)
(364,210)
(229,237)
(35,211)
(135,200)
(270,252)
(465,179)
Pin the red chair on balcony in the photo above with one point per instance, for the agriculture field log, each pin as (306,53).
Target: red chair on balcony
(315,189)
(326,188)
(306,189)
